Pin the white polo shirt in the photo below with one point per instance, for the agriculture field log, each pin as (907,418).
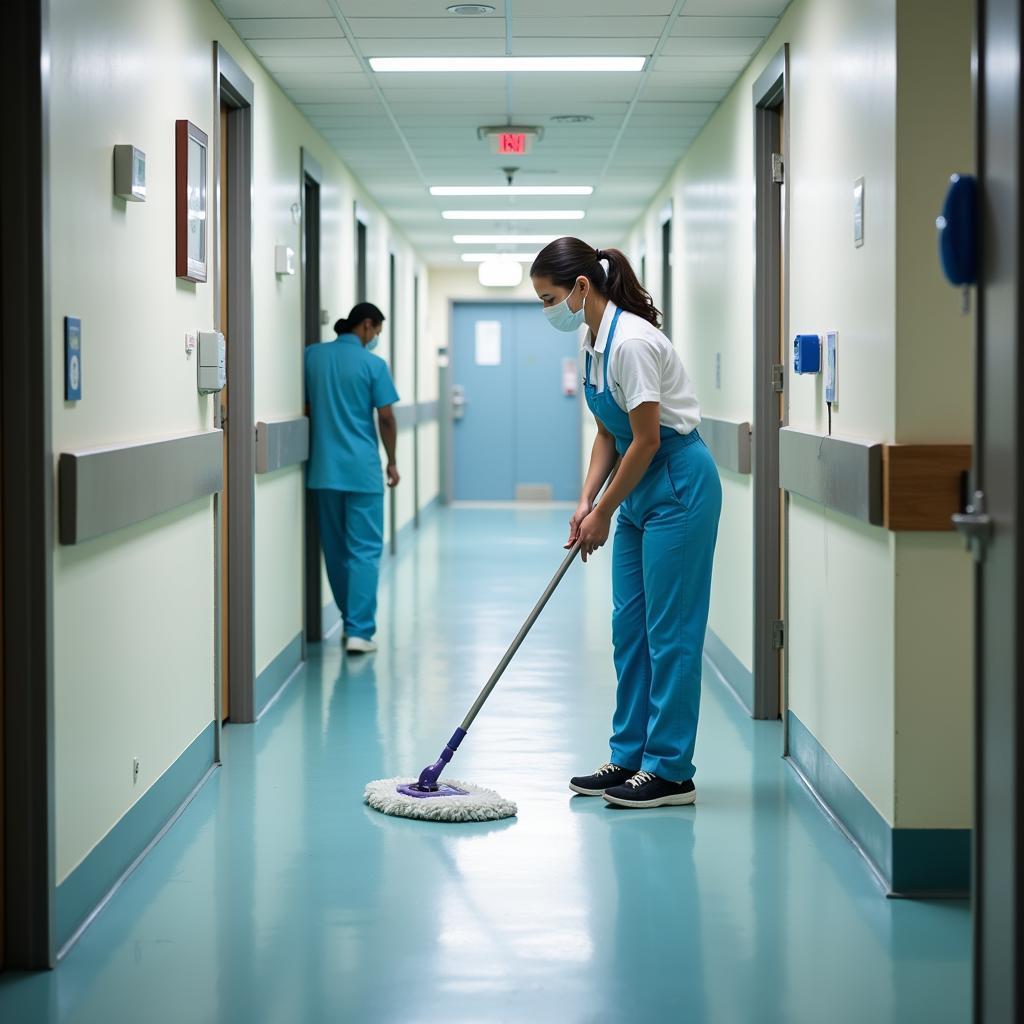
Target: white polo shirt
(644,367)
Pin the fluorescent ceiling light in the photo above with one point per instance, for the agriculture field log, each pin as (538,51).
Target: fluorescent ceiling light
(484,257)
(512,214)
(503,239)
(511,190)
(389,64)
(500,274)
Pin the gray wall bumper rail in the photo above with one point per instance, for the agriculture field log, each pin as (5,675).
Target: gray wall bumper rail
(728,442)
(108,489)
(281,443)
(841,474)
(410,414)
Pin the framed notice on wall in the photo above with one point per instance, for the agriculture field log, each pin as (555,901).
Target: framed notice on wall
(190,157)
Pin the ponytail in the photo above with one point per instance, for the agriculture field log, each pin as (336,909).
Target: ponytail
(360,311)
(566,259)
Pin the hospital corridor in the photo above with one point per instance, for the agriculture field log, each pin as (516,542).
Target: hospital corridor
(509,512)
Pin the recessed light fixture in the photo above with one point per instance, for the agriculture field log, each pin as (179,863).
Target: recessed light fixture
(470,10)
(511,190)
(611,64)
(572,118)
(513,214)
(503,239)
(484,257)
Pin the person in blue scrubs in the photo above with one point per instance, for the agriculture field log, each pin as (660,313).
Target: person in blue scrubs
(345,385)
(668,496)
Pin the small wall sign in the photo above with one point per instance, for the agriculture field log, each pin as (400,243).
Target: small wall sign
(72,359)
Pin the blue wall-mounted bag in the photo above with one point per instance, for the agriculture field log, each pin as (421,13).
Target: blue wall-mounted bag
(958,231)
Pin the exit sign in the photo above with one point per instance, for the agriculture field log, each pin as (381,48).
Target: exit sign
(512,142)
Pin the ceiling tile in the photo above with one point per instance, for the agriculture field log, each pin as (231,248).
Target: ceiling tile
(300,47)
(705,26)
(711,46)
(571,29)
(428,47)
(595,46)
(428,28)
(737,8)
(700,64)
(405,9)
(342,82)
(287,28)
(588,8)
(323,67)
(272,8)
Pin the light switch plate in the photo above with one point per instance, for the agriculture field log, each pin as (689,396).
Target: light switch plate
(831,367)
(858,212)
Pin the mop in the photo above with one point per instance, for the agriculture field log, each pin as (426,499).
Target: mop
(435,799)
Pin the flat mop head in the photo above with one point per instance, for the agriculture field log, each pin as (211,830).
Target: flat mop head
(455,801)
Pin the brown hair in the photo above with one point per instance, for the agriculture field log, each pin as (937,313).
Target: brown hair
(566,259)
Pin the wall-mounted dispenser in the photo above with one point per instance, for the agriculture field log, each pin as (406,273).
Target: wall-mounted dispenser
(284,259)
(807,353)
(212,368)
(130,174)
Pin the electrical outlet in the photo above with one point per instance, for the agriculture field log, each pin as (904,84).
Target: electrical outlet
(718,370)
(135,770)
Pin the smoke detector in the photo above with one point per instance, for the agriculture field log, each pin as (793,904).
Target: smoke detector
(470,10)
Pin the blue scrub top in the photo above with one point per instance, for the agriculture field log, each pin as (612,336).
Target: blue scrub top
(344,384)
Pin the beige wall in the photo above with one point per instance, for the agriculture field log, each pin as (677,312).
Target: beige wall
(133,612)
(878,623)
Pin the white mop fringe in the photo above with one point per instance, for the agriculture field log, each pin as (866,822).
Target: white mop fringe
(479,804)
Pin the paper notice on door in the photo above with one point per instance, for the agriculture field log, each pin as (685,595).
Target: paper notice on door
(570,376)
(488,343)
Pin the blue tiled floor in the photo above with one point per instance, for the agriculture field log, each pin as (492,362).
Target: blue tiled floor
(279,897)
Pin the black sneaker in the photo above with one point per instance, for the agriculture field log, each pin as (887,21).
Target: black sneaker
(647,790)
(606,776)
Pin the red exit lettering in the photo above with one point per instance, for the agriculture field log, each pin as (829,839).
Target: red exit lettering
(512,142)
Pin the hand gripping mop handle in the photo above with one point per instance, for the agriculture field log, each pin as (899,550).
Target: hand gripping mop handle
(429,776)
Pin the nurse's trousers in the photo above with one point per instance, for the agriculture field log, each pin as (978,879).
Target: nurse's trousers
(352,537)
(661,590)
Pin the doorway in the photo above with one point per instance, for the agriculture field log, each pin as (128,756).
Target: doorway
(312,324)
(666,277)
(770,332)
(515,405)
(993,523)
(360,255)
(393,349)
(235,505)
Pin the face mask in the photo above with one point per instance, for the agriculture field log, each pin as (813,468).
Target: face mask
(562,318)
(372,344)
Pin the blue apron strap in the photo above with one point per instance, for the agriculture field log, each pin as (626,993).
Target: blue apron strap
(608,346)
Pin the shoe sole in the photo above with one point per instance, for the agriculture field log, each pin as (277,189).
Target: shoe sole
(678,800)
(586,792)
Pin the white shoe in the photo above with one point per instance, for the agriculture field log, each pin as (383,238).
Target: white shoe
(357,645)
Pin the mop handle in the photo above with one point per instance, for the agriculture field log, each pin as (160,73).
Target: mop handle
(520,637)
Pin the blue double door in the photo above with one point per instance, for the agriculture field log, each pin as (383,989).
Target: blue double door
(516,388)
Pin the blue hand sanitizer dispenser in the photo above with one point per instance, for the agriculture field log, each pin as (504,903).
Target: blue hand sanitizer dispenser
(807,353)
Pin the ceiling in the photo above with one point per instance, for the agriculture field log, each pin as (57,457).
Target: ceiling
(400,133)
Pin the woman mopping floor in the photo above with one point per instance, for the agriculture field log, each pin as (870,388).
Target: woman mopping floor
(669,498)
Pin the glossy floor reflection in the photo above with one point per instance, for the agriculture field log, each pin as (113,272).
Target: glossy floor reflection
(279,897)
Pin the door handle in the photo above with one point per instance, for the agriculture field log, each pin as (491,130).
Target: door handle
(975,526)
(459,402)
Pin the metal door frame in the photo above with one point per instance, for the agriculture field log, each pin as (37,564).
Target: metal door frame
(446,420)
(234,88)
(998,887)
(28,519)
(770,229)
(310,172)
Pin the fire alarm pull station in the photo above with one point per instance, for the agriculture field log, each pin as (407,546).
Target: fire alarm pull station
(212,365)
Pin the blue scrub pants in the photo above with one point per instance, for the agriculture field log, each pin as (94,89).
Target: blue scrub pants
(661,590)
(352,537)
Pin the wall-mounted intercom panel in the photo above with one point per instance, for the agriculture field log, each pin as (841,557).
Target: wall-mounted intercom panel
(213,362)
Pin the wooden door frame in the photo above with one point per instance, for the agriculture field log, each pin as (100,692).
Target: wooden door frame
(310,172)
(28,514)
(234,89)
(770,270)
(998,882)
